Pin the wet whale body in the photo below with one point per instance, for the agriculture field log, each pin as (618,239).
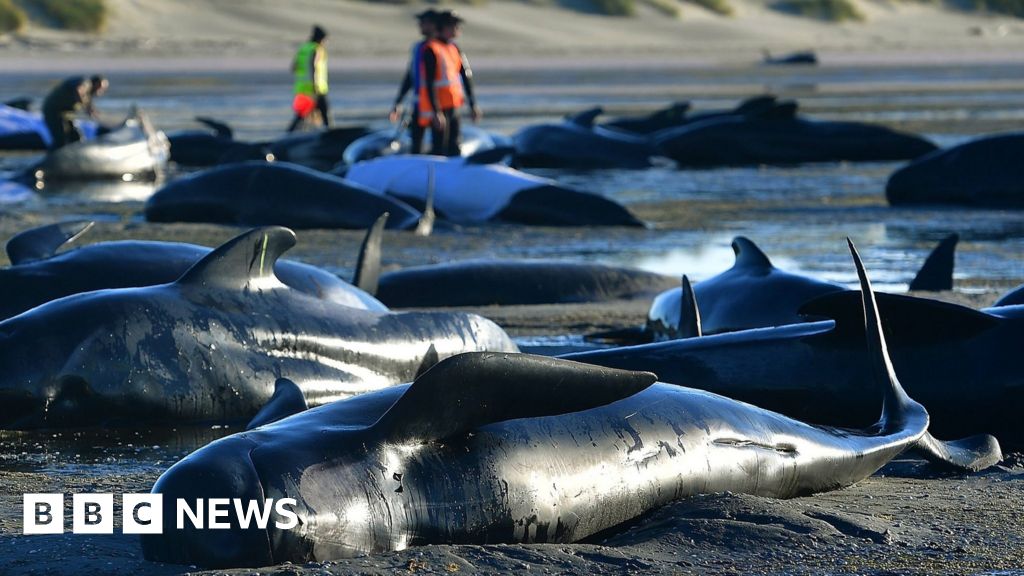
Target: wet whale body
(1012,298)
(983,172)
(515,282)
(260,193)
(776,135)
(486,448)
(756,294)
(39,274)
(467,192)
(209,346)
(578,143)
(960,363)
(134,149)
(212,146)
(387,142)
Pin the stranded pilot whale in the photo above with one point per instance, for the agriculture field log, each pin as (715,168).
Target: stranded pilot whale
(209,346)
(468,192)
(776,135)
(756,294)
(492,448)
(983,172)
(39,274)
(258,193)
(515,282)
(960,363)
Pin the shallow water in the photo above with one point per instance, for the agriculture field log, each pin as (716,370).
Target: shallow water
(800,215)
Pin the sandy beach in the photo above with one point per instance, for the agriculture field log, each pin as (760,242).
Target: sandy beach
(206,35)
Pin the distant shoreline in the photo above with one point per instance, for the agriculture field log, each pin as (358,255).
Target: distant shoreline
(177,35)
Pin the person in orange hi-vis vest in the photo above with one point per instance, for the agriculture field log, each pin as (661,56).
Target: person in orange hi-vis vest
(445,84)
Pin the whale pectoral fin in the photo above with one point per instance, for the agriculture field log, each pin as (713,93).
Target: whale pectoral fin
(465,392)
(585,118)
(367,277)
(970,454)
(908,320)
(44,241)
(243,259)
(937,272)
(748,254)
(689,313)
(287,400)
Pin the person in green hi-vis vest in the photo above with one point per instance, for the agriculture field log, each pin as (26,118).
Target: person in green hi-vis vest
(310,69)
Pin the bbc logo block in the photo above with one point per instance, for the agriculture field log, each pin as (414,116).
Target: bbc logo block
(92,514)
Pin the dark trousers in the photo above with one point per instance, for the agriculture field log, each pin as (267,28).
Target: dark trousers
(416,132)
(62,129)
(445,142)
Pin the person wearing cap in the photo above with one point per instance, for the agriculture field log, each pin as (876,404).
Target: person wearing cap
(446,83)
(428,29)
(310,69)
(71,96)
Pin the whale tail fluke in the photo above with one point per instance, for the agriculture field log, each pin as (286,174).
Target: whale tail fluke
(367,275)
(899,410)
(967,454)
(897,406)
(937,272)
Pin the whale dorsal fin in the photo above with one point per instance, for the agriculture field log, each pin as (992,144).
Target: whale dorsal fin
(748,255)
(689,313)
(221,129)
(367,276)
(908,320)
(465,392)
(44,241)
(780,111)
(585,118)
(287,400)
(937,272)
(756,105)
(243,261)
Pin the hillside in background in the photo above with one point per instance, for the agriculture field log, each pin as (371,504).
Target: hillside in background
(701,29)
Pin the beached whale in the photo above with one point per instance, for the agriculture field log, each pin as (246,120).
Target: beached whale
(23,130)
(213,146)
(804,57)
(472,140)
(39,274)
(514,282)
(674,114)
(577,142)
(776,135)
(498,448)
(1012,298)
(468,192)
(210,345)
(134,150)
(983,172)
(960,363)
(261,193)
(320,150)
(756,294)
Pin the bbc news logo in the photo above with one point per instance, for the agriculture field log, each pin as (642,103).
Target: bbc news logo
(144,513)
